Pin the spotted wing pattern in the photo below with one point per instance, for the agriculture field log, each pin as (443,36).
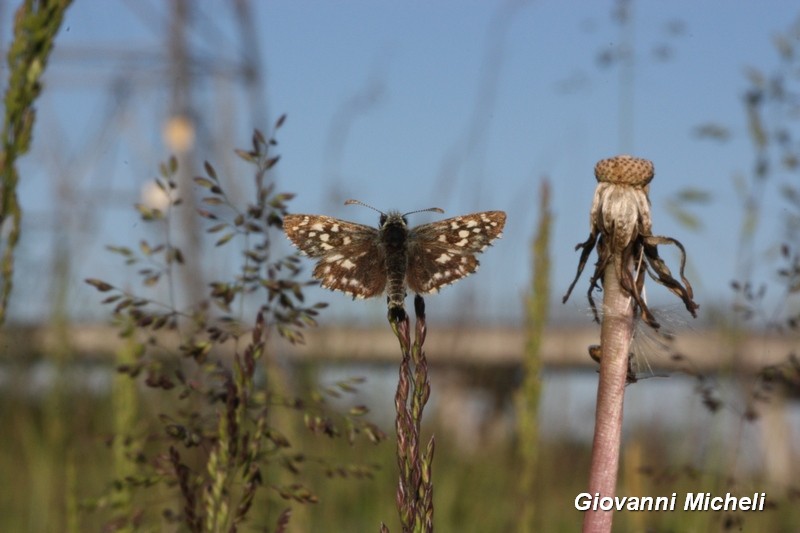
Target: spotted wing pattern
(442,252)
(351,258)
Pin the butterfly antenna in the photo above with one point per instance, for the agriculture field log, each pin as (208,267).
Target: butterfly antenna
(358,202)
(432,209)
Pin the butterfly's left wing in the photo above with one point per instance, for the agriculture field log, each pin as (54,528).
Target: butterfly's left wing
(443,252)
(351,259)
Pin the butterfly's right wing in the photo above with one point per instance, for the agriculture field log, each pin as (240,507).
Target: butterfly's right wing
(443,252)
(351,258)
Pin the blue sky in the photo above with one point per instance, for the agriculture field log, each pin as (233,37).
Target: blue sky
(461,105)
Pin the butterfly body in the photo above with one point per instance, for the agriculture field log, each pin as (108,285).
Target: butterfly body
(366,262)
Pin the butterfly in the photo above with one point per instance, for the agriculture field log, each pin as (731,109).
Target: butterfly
(365,262)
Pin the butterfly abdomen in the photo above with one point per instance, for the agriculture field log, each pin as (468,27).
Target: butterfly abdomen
(394,237)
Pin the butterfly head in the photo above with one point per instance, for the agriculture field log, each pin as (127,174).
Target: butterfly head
(394,219)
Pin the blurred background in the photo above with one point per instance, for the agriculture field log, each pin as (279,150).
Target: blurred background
(461,106)
(468,106)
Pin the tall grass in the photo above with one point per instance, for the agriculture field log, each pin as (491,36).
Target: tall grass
(36,24)
(528,397)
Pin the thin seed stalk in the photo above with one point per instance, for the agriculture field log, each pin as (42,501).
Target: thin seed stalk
(219,470)
(422,473)
(616,335)
(415,486)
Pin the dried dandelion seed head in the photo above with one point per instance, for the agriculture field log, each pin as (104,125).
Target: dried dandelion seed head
(621,208)
(621,214)
(621,227)
(625,170)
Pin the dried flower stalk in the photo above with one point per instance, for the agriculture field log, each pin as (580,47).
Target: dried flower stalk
(621,227)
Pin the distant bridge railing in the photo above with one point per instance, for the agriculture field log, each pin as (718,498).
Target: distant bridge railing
(702,351)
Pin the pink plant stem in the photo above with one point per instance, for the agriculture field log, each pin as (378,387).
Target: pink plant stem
(615,338)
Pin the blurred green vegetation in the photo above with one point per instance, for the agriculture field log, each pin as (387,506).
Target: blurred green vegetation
(473,492)
(529,395)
